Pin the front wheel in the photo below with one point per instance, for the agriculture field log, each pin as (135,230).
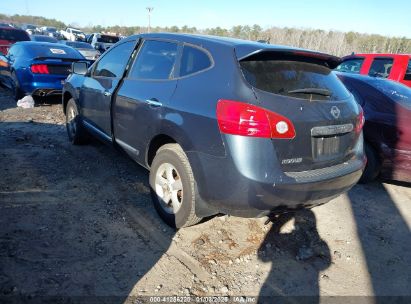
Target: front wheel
(75,130)
(173,188)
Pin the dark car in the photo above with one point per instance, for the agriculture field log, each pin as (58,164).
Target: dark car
(84,48)
(51,31)
(223,125)
(37,68)
(9,35)
(31,29)
(387,130)
(102,42)
(43,38)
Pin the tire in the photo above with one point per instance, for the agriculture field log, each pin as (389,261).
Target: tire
(169,166)
(17,92)
(372,169)
(75,130)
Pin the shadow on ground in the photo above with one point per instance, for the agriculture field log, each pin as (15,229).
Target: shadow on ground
(63,230)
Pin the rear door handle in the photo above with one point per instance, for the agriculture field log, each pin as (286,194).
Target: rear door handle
(153,102)
(107,93)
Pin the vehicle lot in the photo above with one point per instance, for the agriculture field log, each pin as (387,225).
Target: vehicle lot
(78,221)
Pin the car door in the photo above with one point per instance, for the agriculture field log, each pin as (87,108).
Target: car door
(6,64)
(144,96)
(98,87)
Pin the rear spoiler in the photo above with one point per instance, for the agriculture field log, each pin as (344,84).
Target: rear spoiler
(276,52)
(43,58)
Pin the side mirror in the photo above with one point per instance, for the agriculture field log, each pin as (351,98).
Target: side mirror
(79,68)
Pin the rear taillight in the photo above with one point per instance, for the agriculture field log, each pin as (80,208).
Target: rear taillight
(360,121)
(240,118)
(39,69)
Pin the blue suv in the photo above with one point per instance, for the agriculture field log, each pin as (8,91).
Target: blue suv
(224,125)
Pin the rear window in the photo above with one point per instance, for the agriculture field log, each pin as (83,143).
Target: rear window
(107,39)
(44,39)
(351,65)
(79,45)
(295,79)
(50,51)
(381,67)
(13,35)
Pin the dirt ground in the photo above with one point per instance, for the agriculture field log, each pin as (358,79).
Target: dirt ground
(77,221)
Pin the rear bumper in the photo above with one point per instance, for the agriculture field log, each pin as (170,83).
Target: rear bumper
(250,183)
(44,87)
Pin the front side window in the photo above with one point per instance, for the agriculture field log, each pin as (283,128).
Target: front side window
(351,66)
(114,62)
(193,60)
(381,67)
(297,79)
(408,72)
(155,60)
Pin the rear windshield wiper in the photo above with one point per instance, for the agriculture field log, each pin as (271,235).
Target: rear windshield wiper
(314,91)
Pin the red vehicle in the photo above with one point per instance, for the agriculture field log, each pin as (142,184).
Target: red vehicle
(396,67)
(10,35)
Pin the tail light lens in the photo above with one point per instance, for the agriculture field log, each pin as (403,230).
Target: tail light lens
(39,69)
(360,121)
(244,119)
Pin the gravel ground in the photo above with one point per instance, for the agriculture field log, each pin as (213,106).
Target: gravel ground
(77,221)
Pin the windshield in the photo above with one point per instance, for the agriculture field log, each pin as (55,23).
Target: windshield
(77,32)
(79,45)
(13,35)
(30,27)
(51,29)
(107,39)
(351,65)
(394,90)
(297,79)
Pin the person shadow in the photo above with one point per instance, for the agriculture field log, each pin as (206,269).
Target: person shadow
(298,255)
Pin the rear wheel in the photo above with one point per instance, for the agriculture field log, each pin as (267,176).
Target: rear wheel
(75,130)
(373,166)
(173,188)
(17,92)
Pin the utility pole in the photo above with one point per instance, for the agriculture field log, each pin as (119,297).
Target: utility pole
(149,9)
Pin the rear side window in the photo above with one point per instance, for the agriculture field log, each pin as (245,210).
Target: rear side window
(381,67)
(295,79)
(13,35)
(193,60)
(351,66)
(113,63)
(408,72)
(155,60)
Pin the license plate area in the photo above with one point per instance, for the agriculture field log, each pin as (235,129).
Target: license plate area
(330,142)
(326,148)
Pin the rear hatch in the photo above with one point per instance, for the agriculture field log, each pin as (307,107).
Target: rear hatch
(301,86)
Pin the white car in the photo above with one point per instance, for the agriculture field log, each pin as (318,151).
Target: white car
(73,34)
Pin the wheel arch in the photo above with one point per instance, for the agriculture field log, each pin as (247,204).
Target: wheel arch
(66,97)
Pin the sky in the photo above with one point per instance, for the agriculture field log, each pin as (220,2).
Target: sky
(390,18)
